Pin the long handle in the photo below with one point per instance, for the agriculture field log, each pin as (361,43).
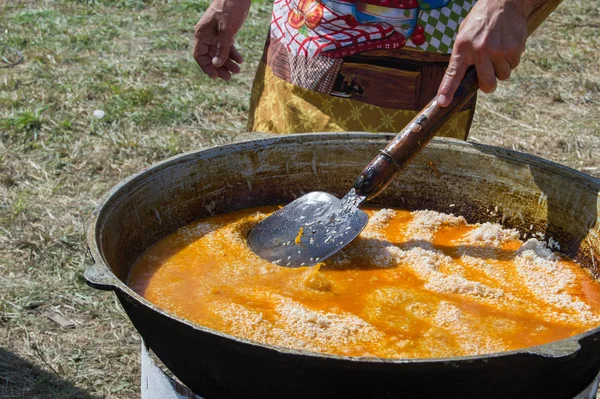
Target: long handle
(406,145)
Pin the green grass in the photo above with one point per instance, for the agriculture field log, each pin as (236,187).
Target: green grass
(26,122)
(132,59)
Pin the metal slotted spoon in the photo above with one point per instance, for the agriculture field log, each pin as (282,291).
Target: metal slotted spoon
(317,225)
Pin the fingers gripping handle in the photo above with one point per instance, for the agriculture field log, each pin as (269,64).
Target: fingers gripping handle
(403,148)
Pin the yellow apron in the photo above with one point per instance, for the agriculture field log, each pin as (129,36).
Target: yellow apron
(347,65)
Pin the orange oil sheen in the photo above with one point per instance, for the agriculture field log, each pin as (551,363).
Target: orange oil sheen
(206,273)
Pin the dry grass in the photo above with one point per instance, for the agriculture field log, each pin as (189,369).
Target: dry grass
(131,58)
(551,105)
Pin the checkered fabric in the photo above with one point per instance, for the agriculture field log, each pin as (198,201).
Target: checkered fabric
(315,37)
(312,72)
(441,25)
(333,32)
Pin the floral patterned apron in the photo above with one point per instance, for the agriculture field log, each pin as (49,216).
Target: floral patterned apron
(355,65)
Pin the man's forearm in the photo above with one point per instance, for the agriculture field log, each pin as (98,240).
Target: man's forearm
(523,7)
(537,11)
(492,38)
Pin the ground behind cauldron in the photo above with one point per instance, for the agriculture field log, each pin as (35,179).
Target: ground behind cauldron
(132,59)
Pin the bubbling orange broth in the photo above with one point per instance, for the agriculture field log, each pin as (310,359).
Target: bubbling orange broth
(413,285)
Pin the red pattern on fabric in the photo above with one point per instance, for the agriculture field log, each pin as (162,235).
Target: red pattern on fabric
(332,33)
(275,21)
(393,42)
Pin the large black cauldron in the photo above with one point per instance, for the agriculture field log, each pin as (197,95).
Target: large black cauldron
(530,194)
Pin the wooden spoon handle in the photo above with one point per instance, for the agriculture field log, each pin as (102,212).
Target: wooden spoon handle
(411,140)
(407,144)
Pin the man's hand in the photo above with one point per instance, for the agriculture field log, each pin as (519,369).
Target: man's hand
(213,42)
(492,38)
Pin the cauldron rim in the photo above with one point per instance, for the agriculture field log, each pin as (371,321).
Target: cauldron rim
(100,275)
